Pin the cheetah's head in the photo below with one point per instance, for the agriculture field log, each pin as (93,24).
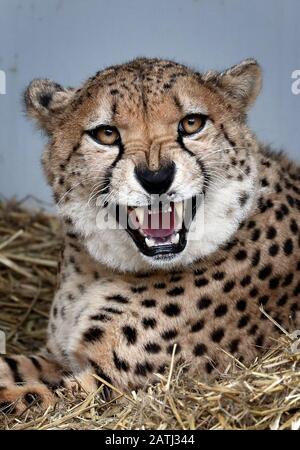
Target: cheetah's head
(157,151)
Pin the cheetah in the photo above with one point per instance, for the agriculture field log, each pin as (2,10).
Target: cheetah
(137,145)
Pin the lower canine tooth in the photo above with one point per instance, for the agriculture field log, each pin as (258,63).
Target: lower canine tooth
(175,238)
(140,214)
(149,242)
(179,211)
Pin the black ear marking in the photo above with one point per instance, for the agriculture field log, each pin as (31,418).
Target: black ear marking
(45,100)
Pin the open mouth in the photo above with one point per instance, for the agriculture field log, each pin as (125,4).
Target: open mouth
(161,228)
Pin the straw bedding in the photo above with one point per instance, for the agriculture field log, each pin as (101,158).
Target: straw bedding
(263,396)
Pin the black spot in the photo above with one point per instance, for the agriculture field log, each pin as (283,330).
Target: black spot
(113,311)
(274,282)
(255,235)
(246,281)
(263,300)
(120,364)
(253,292)
(175,278)
(221,310)
(294,226)
(81,288)
(288,247)
(296,291)
(178,290)
(284,209)
(229,286)
(209,367)
(241,255)
(244,320)
(152,347)
(241,305)
(169,334)
(288,280)
(282,300)
(256,258)
(279,215)
(199,272)
(130,333)
(197,326)
(200,349)
(294,308)
(101,317)
(149,303)
(98,370)
(259,341)
(217,335)
(160,285)
(114,91)
(93,334)
(244,197)
(172,310)
(265,272)
(200,282)
(234,345)
(251,224)
(204,303)
(143,369)
(149,322)
(253,330)
(170,349)
(218,276)
(139,289)
(271,233)
(117,298)
(273,250)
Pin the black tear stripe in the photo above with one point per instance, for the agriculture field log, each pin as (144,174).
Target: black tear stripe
(199,161)
(231,142)
(14,367)
(108,174)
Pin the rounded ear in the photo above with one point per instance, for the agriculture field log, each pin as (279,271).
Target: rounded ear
(240,84)
(45,100)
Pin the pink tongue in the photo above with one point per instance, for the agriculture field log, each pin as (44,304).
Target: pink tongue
(160,224)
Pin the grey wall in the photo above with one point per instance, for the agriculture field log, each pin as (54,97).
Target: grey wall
(68,40)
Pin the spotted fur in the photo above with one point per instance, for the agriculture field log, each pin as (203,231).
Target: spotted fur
(117,312)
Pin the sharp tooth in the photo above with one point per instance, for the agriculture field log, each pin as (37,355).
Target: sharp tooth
(179,211)
(150,242)
(140,214)
(175,238)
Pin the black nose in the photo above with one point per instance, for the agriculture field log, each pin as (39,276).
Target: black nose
(156,181)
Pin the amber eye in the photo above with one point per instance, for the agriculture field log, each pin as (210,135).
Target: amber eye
(104,134)
(191,124)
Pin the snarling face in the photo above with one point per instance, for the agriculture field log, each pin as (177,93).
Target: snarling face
(151,164)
